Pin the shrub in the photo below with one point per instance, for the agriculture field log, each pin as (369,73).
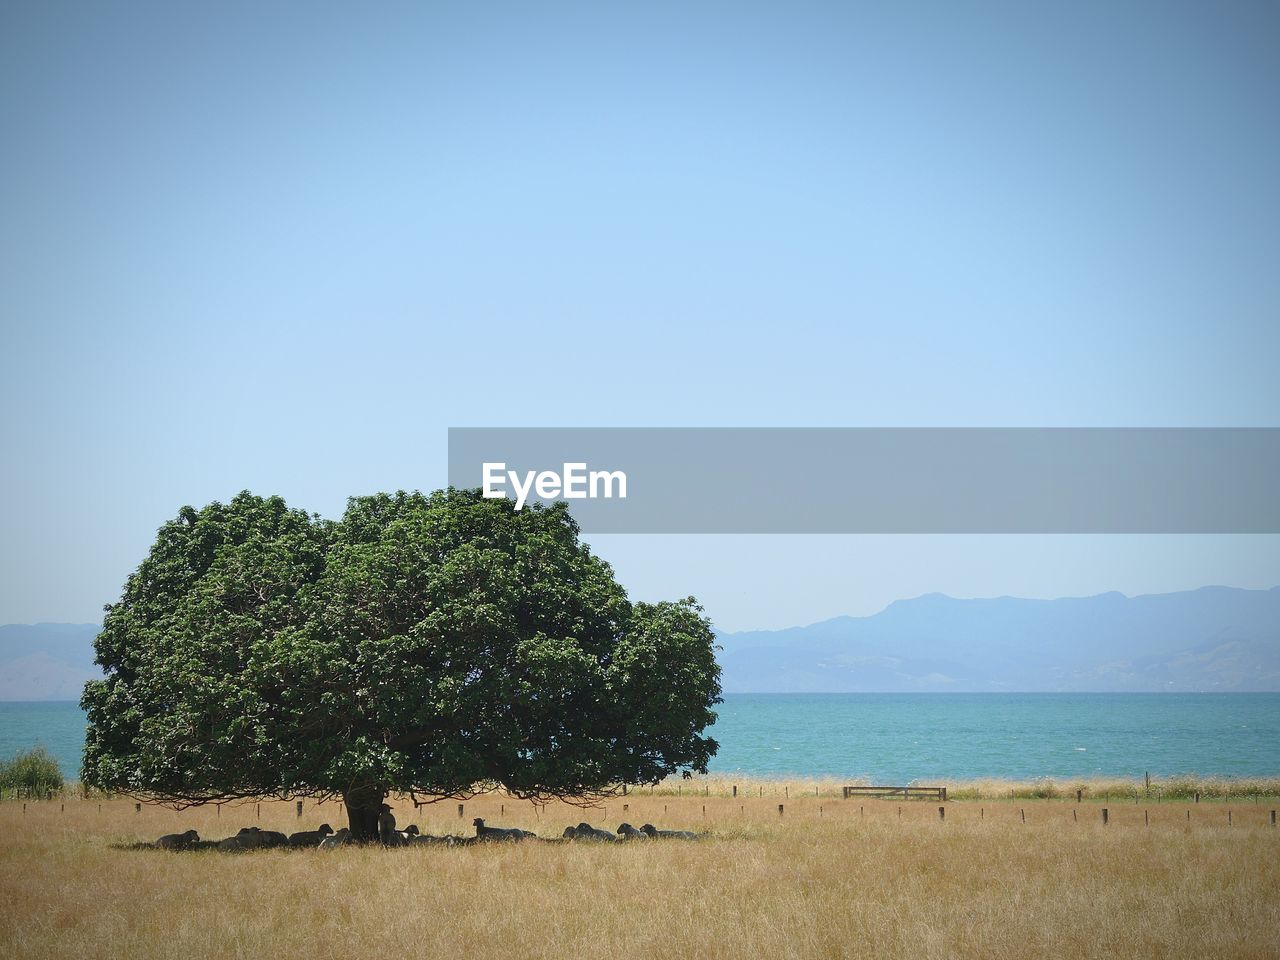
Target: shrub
(34,770)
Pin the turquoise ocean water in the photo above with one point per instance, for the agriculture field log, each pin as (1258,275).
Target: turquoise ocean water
(911,736)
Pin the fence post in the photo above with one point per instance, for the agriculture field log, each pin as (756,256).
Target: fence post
(942,813)
(1148,783)
(779,809)
(460,809)
(1079,796)
(299,808)
(1104,816)
(1273,818)
(1146,818)
(735,789)
(137,808)
(1074,818)
(1023,811)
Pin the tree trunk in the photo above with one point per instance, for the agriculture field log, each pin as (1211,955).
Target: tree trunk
(363,806)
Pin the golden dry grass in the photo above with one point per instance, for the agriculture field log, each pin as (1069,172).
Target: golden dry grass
(828,878)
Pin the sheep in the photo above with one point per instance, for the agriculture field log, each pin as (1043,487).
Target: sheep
(426,840)
(178,841)
(399,838)
(310,838)
(499,833)
(249,838)
(628,832)
(585,831)
(402,838)
(273,838)
(339,839)
(649,829)
(253,838)
(387,827)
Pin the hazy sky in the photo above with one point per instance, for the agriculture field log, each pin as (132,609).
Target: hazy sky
(284,247)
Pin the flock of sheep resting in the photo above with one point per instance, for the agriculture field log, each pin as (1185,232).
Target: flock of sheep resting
(254,838)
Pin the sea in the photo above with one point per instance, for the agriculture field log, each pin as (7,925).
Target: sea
(907,737)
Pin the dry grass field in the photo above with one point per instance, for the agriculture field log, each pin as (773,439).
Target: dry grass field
(826,878)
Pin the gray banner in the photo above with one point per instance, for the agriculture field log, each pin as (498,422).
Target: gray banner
(872,480)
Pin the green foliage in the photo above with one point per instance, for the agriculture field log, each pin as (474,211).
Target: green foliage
(34,770)
(428,643)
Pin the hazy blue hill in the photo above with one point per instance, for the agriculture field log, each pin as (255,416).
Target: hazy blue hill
(46,661)
(1211,639)
(1214,638)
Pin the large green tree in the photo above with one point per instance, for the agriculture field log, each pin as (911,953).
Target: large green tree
(437,645)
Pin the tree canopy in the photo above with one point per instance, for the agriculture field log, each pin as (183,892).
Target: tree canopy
(436,644)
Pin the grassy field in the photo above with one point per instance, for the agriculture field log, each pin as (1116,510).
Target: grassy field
(826,878)
(1160,789)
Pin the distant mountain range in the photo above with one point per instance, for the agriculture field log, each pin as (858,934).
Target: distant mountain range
(46,661)
(1211,639)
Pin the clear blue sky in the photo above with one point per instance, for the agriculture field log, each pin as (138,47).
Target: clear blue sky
(284,247)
